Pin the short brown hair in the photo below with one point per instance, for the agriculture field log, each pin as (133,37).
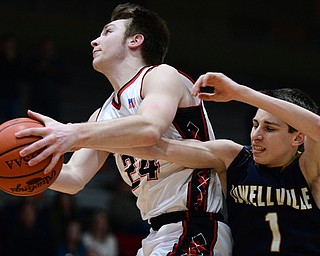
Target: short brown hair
(150,25)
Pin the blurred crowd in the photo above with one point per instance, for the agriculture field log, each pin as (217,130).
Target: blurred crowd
(33,82)
(28,226)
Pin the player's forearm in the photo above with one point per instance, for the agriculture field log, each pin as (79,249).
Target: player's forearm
(294,115)
(189,153)
(132,131)
(79,170)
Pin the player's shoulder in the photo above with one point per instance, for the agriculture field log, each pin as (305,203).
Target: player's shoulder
(162,76)
(164,69)
(166,79)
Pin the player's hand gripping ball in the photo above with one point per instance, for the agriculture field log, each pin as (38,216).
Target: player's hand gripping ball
(16,176)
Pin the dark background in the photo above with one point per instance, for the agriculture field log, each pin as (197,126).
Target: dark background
(264,44)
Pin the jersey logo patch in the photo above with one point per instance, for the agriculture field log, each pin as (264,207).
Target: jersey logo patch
(132,103)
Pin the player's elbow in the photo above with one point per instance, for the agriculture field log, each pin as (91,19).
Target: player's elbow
(78,185)
(71,190)
(68,184)
(75,189)
(152,136)
(149,132)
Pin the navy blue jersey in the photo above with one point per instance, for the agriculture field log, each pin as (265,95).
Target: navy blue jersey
(271,210)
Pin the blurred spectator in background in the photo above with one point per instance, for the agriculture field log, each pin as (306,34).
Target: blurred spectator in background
(12,78)
(71,244)
(27,231)
(48,77)
(63,210)
(125,217)
(128,221)
(2,229)
(99,237)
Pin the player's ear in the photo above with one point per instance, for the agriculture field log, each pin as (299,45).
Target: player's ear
(299,139)
(136,40)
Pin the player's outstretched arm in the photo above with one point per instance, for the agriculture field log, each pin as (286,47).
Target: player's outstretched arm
(225,89)
(217,154)
(303,120)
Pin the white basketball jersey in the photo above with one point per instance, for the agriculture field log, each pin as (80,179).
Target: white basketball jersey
(162,186)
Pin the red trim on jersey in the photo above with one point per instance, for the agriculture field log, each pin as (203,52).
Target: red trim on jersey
(215,232)
(186,75)
(181,239)
(150,68)
(117,105)
(99,112)
(195,240)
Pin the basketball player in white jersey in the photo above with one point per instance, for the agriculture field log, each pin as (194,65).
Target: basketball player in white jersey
(150,100)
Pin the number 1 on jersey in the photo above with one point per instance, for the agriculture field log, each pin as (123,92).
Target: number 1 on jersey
(272,217)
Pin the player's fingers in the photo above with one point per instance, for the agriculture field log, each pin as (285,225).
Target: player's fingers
(52,164)
(42,118)
(41,132)
(40,144)
(210,79)
(40,157)
(35,115)
(203,81)
(196,88)
(207,96)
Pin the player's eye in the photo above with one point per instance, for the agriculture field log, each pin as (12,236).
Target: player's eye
(107,31)
(255,124)
(269,129)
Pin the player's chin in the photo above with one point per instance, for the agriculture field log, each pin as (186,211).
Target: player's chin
(258,159)
(95,64)
(99,68)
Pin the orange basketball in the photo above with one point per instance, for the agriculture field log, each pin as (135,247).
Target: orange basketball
(16,176)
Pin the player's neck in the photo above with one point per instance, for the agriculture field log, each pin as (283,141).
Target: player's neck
(122,74)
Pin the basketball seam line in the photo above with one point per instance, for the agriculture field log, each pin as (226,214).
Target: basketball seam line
(35,122)
(21,176)
(12,149)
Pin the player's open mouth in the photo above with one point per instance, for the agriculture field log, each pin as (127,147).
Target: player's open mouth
(258,148)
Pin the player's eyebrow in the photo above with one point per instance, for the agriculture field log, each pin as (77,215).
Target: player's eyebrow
(266,122)
(107,26)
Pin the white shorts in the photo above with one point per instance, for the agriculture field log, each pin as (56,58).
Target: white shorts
(168,237)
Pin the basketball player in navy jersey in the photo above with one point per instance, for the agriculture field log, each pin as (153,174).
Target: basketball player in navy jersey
(273,189)
(150,100)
